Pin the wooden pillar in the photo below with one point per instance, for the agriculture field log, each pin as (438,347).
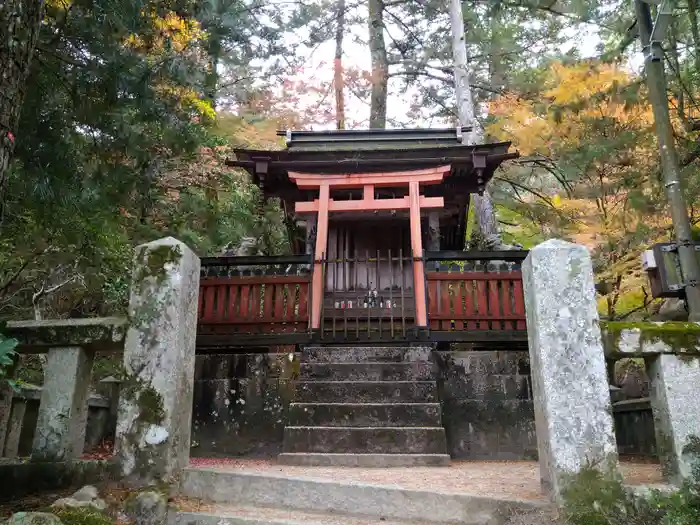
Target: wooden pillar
(320,252)
(417,249)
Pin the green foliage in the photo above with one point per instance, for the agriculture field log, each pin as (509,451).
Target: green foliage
(598,498)
(8,357)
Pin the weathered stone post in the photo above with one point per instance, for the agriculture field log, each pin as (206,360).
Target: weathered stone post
(14,430)
(155,406)
(675,404)
(63,409)
(5,409)
(573,413)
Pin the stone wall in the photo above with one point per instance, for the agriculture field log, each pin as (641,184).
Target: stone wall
(241,403)
(487,404)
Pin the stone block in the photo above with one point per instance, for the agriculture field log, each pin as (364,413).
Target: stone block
(155,406)
(366,391)
(100,333)
(5,410)
(675,402)
(367,440)
(63,409)
(14,428)
(573,413)
(365,415)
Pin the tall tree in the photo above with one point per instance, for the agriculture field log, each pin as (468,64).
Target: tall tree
(380,64)
(20,22)
(338,77)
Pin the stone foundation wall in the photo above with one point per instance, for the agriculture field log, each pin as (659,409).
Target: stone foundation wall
(487,404)
(241,403)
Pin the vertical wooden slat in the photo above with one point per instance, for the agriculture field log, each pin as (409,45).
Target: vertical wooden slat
(391,296)
(494,304)
(288,301)
(482,303)
(268,299)
(232,310)
(209,298)
(457,306)
(220,302)
(433,309)
(445,305)
(303,301)
(519,303)
(469,303)
(256,302)
(244,311)
(403,296)
(506,297)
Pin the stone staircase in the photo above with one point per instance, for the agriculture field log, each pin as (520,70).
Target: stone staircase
(366,407)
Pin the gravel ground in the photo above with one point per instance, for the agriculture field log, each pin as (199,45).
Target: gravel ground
(505,479)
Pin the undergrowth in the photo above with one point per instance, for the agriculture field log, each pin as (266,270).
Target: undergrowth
(598,498)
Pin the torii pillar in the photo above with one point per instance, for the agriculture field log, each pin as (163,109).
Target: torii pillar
(324,205)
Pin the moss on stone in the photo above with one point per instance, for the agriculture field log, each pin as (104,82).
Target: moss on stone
(150,404)
(681,336)
(152,262)
(83,516)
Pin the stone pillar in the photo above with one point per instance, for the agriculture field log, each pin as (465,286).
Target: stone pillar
(63,409)
(5,409)
(573,413)
(14,430)
(674,402)
(155,402)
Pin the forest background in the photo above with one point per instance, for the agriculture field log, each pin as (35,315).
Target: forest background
(128,108)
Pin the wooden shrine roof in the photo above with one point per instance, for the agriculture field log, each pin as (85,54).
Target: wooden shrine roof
(377,151)
(363,151)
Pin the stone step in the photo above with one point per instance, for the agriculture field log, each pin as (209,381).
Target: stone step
(365,414)
(248,515)
(364,354)
(366,440)
(345,497)
(379,371)
(306,459)
(366,391)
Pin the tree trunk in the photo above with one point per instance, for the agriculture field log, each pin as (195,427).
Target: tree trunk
(338,83)
(20,22)
(485,232)
(695,31)
(380,65)
(211,85)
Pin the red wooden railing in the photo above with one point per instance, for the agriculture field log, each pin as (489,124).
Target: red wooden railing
(253,304)
(472,298)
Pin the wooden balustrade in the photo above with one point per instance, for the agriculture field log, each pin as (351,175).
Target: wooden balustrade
(249,301)
(255,304)
(254,295)
(475,291)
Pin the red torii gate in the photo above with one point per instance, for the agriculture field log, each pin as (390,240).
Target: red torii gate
(324,205)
